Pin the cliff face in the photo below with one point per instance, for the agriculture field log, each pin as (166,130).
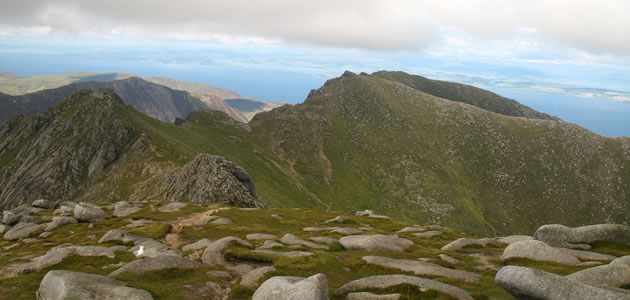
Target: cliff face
(55,152)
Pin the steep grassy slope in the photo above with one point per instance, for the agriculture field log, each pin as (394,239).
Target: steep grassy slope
(466,94)
(15,85)
(366,142)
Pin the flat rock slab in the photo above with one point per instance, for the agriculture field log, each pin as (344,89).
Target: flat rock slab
(463,242)
(370,296)
(58,285)
(539,251)
(316,229)
(222,221)
(338,219)
(269,244)
(213,256)
(157,263)
(289,254)
(291,239)
(85,212)
(346,231)
(412,229)
(64,220)
(580,237)
(260,236)
(526,283)
(514,238)
(117,235)
(293,288)
(376,242)
(421,268)
(428,234)
(57,254)
(324,239)
(200,244)
(22,230)
(387,281)
(42,203)
(449,259)
(614,275)
(251,279)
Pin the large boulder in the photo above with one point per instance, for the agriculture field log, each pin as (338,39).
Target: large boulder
(58,285)
(57,254)
(614,275)
(293,288)
(539,251)
(156,263)
(213,254)
(22,230)
(209,178)
(124,208)
(9,217)
(376,242)
(526,283)
(382,282)
(46,204)
(85,212)
(420,268)
(252,277)
(580,237)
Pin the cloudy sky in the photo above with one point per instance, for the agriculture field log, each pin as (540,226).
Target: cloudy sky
(575,47)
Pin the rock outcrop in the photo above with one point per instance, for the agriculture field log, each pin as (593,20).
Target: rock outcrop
(376,242)
(421,268)
(59,285)
(386,281)
(290,288)
(209,178)
(580,237)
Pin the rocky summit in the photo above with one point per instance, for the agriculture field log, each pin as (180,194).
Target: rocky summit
(266,253)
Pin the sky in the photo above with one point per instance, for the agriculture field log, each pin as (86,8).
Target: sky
(280,49)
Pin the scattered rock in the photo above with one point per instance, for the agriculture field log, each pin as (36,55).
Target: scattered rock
(251,279)
(22,230)
(412,229)
(376,242)
(291,239)
(463,242)
(213,256)
(240,269)
(260,236)
(10,218)
(525,283)
(10,246)
(57,254)
(449,259)
(58,285)
(614,275)
(138,223)
(587,255)
(428,234)
(289,254)
(421,268)
(268,244)
(156,263)
(370,296)
(31,219)
(346,231)
(370,213)
(222,221)
(290,288)
(41,203)
(204,220)
(153,248)
(117,235)
(514,238)
(64,220)
(44,234)
(173,206)
(64,210)
(124,208)
(338,219)
(4,228)
(85,212)
(324,239)
(387,281)
(537,250)
(580,237)
(276,216)
(200,244)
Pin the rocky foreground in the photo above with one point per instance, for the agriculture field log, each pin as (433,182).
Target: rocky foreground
(179,250)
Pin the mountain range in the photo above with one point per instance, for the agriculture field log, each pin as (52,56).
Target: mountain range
(417,150)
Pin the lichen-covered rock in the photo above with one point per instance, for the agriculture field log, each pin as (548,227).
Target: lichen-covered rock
(580,237)
(525,283)
(85,212)
(291,288)
(209,178)
(59,285)
(376,242)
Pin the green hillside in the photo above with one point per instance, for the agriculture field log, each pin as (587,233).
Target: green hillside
(367,142)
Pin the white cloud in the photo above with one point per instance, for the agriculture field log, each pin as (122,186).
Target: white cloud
(595,26)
